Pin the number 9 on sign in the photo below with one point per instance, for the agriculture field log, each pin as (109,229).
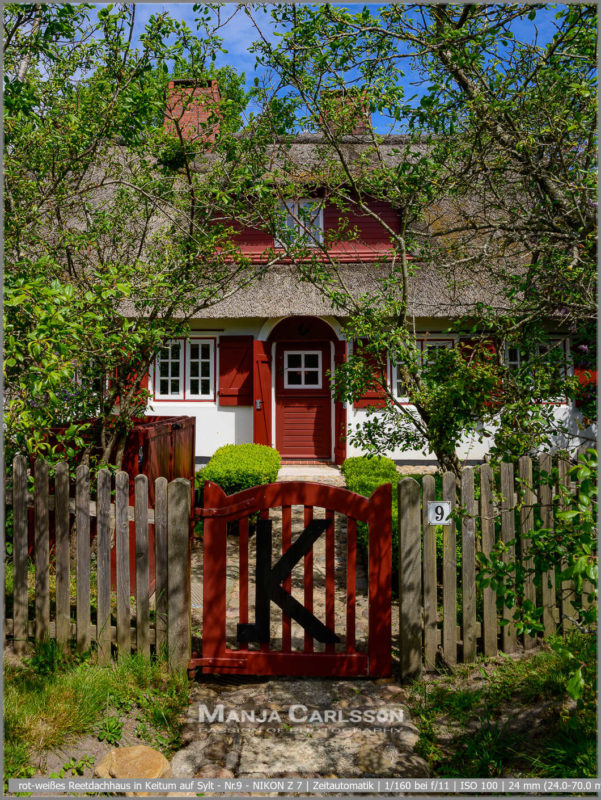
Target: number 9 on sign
(439,512)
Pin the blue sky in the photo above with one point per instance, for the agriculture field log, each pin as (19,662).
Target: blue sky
(238,34)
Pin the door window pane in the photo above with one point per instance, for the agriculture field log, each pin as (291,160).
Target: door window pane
(302,370)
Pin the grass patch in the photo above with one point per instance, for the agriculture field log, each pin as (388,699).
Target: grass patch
(496,719)
(56,695)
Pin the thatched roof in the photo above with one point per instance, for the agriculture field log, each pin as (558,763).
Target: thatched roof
(280,293)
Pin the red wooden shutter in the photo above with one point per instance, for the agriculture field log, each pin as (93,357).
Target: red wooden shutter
(262,392)
(587,378)
(374,396)
(235,370)
(339,410)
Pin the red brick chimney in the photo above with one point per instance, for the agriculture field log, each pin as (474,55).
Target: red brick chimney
(190,104)
(347,111)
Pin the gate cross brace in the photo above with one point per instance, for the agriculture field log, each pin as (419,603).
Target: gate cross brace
(268,585)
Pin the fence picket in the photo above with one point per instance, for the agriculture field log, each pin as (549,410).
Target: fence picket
(468,564)
(545,495)
(178,627)
(487,528)
(160,561)
(20,600)
(82,567)
(42,551)
(567,586)
(507,536)
(142,566)
(449,575)
(528,500)
(122,562)
(410,578)
(429,575)
(61,517)
(103,561)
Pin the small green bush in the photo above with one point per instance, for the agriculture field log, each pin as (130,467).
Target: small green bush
(235,467)
(363,475)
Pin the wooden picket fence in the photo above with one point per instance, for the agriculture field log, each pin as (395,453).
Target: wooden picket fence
(431,621)
(118,622)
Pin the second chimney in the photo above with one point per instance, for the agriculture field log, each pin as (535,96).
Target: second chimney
(190,105)
(346,111)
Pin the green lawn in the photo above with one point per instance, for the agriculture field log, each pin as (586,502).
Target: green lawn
(54,696)
(506,717)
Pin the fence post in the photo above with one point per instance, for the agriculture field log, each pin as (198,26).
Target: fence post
(487,527)
(546,512)
(567,586)
(178,592)
(103,577)
(528,498)
(20,604)
(42,552)
(142,575)
(61,518)
(429,575)
(449,574)
(410,578)
(380,582)
(508,535)
(468,564)
(82,516)
(160,562)
(122,563)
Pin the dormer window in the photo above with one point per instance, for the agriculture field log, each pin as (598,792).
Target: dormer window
(301,220)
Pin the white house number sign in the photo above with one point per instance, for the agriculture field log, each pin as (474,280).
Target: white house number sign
(439,512)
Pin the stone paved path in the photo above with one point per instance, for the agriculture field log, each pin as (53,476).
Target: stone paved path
(286,748)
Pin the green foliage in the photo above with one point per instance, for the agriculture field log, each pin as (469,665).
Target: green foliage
(465,719)
(570,551)
(73,767)
(110,730)
(109,232)
(76,698)
(235,467)
(496,168)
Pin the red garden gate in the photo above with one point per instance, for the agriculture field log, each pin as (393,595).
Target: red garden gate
(254,654)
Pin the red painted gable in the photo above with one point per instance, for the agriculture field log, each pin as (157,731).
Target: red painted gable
(372,241)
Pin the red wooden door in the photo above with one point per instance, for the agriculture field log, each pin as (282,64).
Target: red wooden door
(303,400)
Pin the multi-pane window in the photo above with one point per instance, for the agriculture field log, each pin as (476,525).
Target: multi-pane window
(169,378)
(555,348)
(302,218)
(184,370)
(427,349)
(200,369)
(302,370)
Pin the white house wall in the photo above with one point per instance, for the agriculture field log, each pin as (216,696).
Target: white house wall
(218,425)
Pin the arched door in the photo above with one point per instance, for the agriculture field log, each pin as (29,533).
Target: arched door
(303,399)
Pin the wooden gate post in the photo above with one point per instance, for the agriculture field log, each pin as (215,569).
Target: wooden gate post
(214,583)
(410,578)
(178,575)
(380,581)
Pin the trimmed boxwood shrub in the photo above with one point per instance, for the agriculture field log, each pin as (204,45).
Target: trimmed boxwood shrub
(363,475)
(235,467)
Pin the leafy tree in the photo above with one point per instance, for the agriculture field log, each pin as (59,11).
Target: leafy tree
(493,181)
(118,229)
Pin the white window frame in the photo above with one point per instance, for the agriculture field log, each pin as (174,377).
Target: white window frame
(554,341)
(291,209)
(302,369)
(185,378)
(157,371)
(422,345)
(211,344)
